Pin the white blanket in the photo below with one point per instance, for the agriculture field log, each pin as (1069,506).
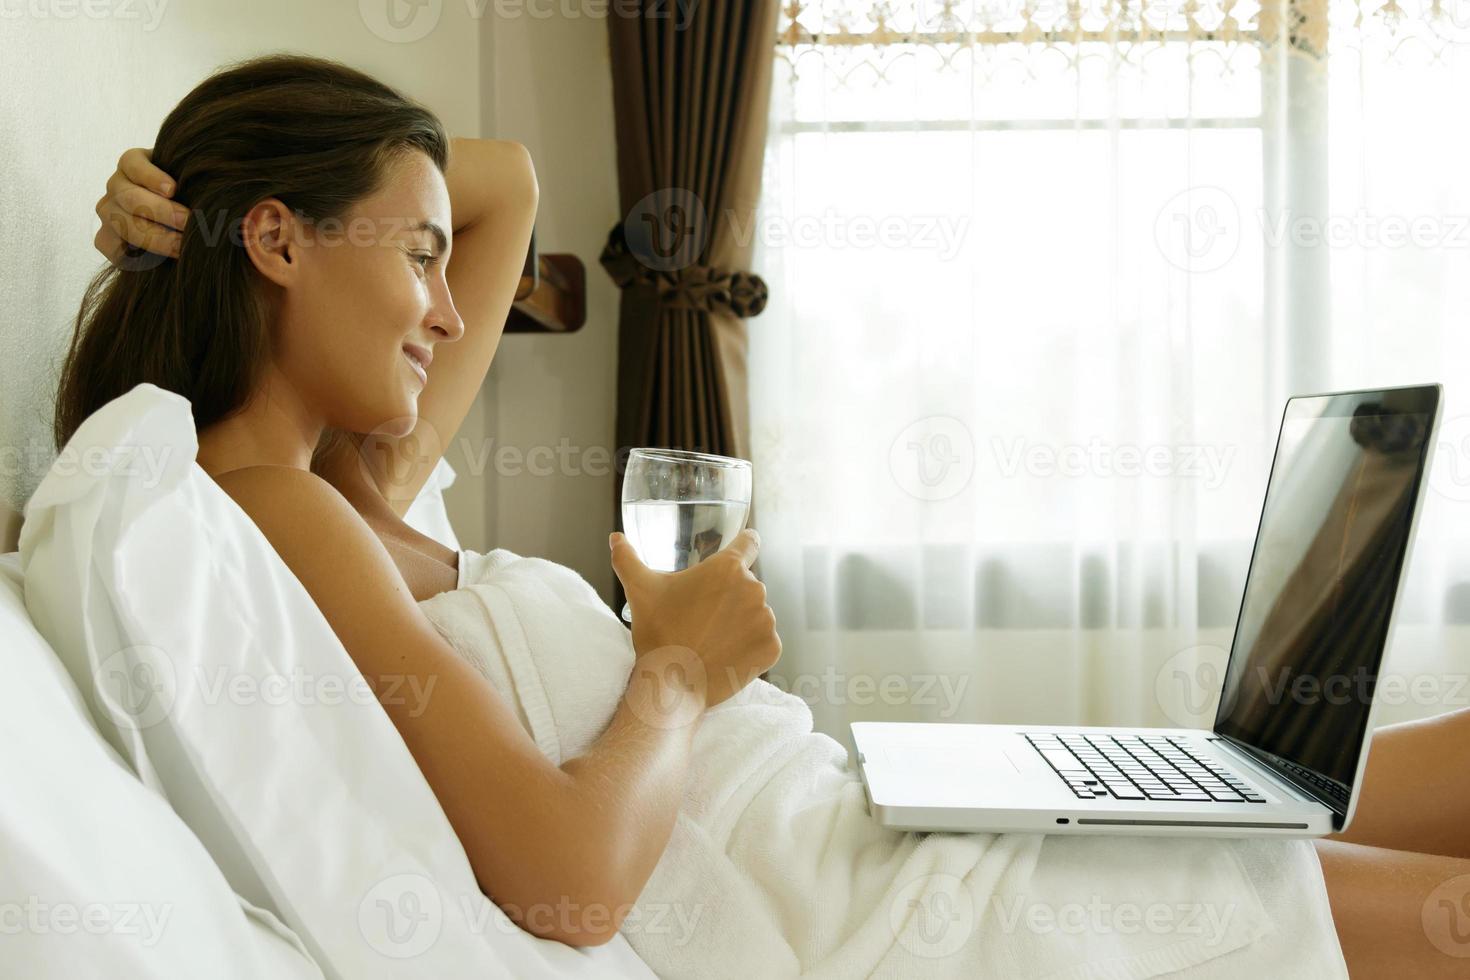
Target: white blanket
(775,868)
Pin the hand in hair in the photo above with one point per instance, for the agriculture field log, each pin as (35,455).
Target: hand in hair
(136,209)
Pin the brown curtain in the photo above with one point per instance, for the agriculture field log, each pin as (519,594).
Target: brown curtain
(691,92)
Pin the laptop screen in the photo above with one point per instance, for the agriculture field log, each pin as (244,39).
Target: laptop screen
(1323,577)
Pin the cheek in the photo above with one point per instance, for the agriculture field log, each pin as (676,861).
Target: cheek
(361,303)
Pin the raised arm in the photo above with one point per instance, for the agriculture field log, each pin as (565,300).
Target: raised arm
(493,195)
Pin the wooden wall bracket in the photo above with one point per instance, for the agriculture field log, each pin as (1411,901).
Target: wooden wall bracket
(551,296)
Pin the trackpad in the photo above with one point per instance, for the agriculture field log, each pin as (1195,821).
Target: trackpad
(989,758)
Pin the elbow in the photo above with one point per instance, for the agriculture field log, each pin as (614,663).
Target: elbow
(588,915)
(570,921)
(520,172)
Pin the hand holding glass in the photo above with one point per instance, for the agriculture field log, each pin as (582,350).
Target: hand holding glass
(680,507)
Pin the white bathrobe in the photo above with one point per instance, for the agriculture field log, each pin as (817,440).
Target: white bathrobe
(776,869)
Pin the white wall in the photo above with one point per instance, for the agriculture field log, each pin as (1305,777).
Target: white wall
(549,87)
(80,89)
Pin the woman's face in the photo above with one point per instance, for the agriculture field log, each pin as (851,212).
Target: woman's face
(369,299)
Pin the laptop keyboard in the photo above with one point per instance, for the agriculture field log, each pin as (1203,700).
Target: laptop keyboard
(1139,767)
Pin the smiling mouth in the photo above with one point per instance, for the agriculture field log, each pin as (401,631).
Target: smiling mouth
(418,368)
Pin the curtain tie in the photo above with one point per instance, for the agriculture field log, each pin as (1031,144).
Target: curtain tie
(691,287)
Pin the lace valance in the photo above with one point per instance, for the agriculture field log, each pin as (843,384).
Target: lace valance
(846,33)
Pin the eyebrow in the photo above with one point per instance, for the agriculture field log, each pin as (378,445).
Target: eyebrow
(439,237)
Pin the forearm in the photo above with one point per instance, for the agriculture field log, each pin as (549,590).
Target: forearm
(633,778)
(615,813)
(493,196)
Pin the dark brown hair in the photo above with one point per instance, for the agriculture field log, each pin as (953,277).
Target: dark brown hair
(315,134)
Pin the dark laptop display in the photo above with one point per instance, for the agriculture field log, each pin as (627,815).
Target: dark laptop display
(1329,551)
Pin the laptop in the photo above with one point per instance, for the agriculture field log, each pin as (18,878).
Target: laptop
(1287,751)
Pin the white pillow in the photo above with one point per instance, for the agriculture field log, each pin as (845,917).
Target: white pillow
(212,672)
(100,877)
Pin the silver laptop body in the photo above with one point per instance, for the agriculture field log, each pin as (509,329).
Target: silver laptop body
(1290,742)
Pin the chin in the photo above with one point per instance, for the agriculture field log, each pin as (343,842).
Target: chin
(388,413)
(403,419)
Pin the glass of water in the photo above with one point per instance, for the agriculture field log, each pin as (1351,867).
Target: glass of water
(681,507)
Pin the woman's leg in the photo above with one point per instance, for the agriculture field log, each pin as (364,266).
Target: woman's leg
(1398,913)
(1416,789)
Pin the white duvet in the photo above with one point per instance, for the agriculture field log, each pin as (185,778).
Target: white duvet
(775,868)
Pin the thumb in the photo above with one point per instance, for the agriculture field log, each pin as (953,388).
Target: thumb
(626,564)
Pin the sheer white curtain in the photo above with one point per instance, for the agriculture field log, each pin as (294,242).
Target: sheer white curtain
(1042,278)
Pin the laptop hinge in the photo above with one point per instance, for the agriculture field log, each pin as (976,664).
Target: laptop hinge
(1259,768)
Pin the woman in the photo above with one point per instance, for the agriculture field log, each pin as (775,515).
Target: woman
(305,352)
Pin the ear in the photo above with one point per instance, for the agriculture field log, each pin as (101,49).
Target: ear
(269,233)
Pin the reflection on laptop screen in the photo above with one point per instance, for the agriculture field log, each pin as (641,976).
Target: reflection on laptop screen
(1322,582)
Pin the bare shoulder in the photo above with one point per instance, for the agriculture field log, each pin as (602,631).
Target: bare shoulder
(321,538)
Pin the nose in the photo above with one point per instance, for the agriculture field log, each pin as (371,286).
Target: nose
(443,318)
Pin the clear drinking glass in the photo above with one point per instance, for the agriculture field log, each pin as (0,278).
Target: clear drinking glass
(681,507)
